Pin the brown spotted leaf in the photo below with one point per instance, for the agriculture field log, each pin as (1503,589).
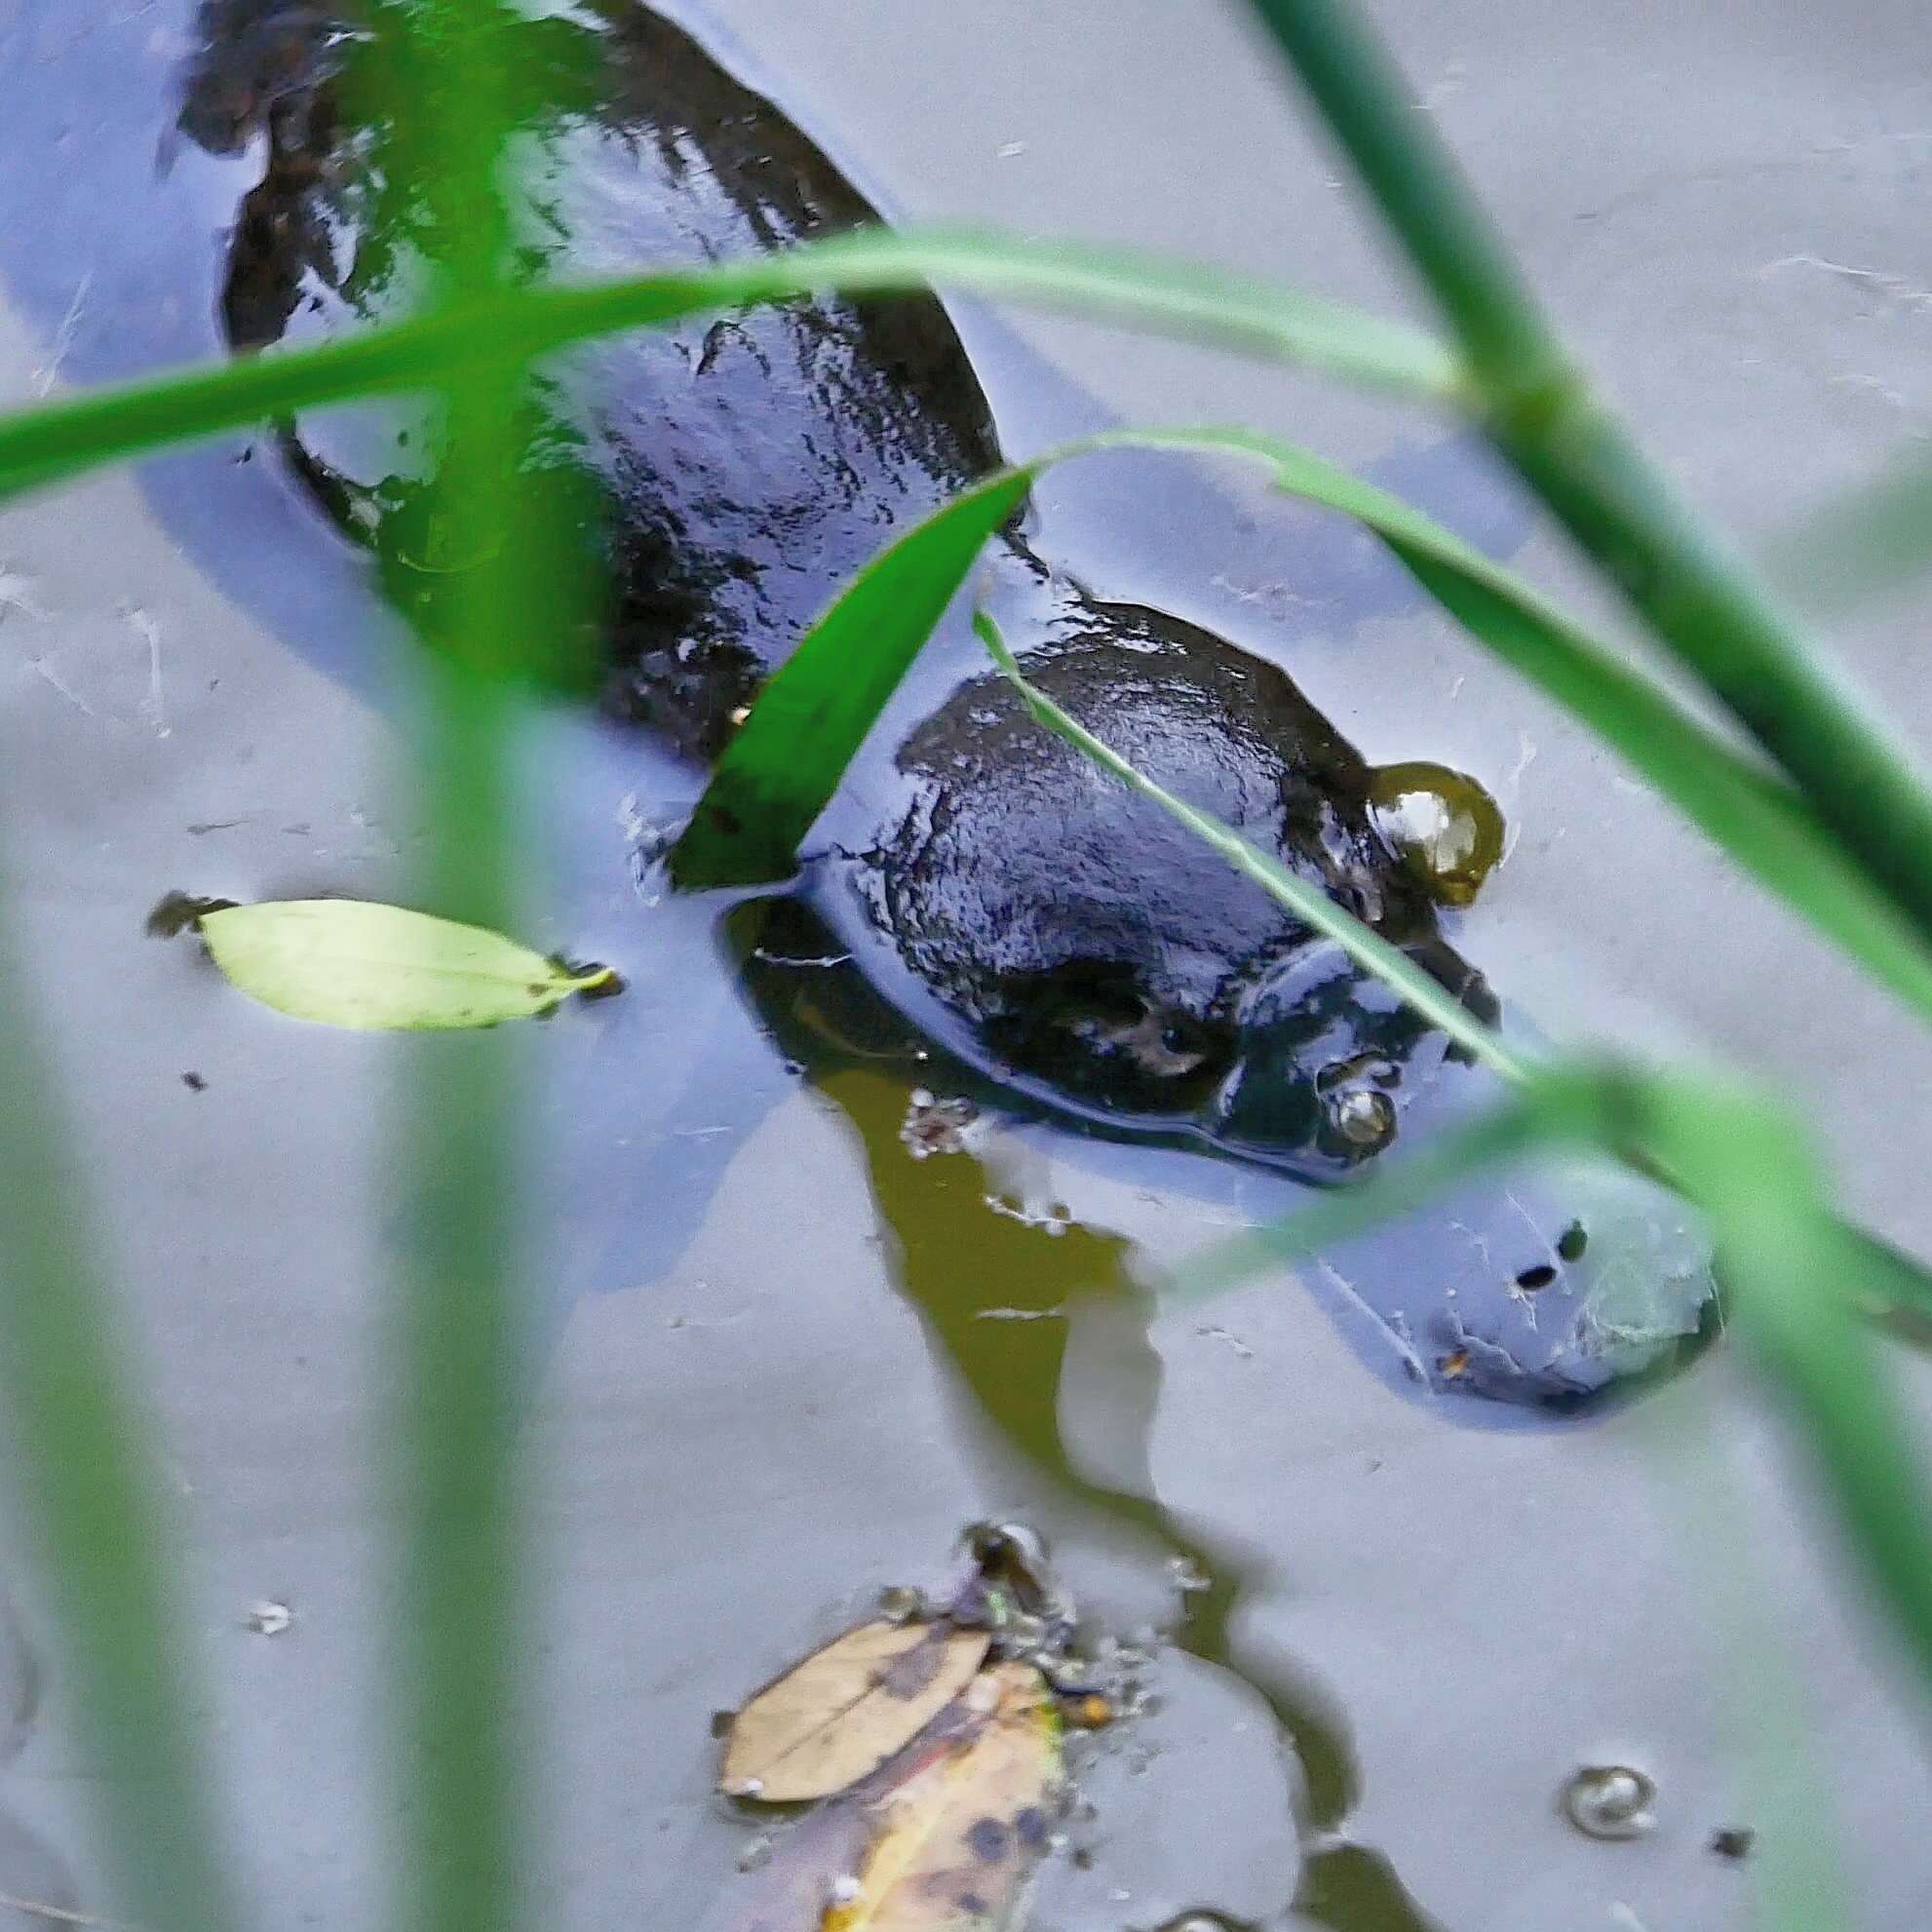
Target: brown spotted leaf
(836,1718)
(956,1841)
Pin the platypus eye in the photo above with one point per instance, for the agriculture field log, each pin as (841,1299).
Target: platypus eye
(1092,1027)
(1182,1041)
(1158,1043)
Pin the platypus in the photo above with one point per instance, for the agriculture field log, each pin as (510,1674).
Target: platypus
(1052,935)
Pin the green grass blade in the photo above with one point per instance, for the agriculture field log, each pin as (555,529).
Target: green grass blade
(1705,604)
(56,439)
(1798,1279)
(85,1463)
(1308,903)
(1875,538)
(458,1637)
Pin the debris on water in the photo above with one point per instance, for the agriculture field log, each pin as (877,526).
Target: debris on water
(176,912)
(836,1718)
(268,1618)
(650,833)
(1187,1576)
(1733,1841)
(1055,1313)
(899,1602)
(194,1082)
(935,1126)
(937,1737)
(959,1838)
(1056,1217)
(1234,1340)
(1609,1802)
(1012,1586)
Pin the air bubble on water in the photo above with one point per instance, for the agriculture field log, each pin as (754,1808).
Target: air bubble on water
(269,1619)
(1609,1802)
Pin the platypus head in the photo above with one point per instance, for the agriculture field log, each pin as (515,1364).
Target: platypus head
(1069,938)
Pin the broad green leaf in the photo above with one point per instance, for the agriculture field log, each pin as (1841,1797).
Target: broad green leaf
(1873,538)
(430,351)
(347,963)
(839,1715)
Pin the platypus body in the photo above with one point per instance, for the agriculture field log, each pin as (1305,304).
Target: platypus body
(1048,929)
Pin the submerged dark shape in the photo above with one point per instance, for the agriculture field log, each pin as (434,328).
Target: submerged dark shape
(1057,935)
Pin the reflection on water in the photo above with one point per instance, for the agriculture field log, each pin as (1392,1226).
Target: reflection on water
(1000,1295)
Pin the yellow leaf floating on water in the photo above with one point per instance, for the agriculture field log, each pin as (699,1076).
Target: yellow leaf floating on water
(956,1841)
(836,1718)
(346,962)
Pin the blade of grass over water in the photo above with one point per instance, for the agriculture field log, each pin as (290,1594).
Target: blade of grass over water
(506,327)
(780,771)
(1705,604)
(458,1637)
(83,1459)
(1798,1279)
